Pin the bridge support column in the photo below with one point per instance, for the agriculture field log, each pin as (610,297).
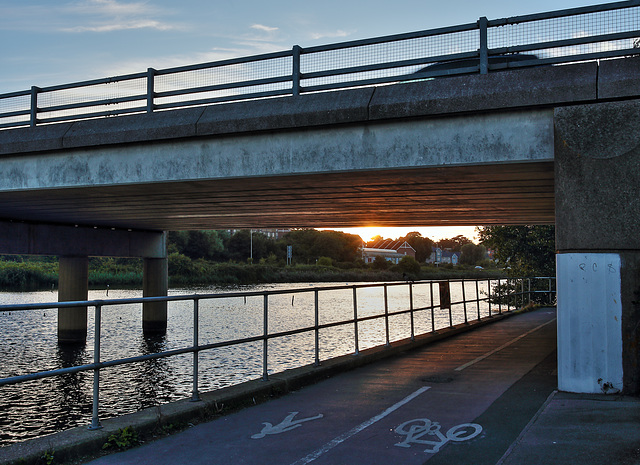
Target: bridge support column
(155,282)
(597,155)
(73,284)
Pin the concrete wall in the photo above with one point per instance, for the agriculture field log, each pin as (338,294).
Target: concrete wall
(597,152)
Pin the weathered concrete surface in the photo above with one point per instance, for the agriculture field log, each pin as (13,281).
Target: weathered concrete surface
(466,140)
(598,176)
(306,111)
(619,78)
(537,87)
(597,152)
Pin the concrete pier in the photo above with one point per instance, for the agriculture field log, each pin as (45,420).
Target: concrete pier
(597,153)
(73,285)
(155,282)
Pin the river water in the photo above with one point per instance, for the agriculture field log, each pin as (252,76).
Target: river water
(29,344)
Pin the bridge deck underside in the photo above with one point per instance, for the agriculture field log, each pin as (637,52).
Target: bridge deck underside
(519,193)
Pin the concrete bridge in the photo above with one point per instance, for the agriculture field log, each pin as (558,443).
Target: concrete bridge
(532,146)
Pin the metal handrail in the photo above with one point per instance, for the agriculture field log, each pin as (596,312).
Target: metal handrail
(196,347)
(296,79)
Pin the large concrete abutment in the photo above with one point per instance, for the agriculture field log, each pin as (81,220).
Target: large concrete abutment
(597,156)
(74,246)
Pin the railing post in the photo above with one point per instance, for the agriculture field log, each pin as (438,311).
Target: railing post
(489,295)
(195,394)
(450,305)
(499,298)
(34,106)
(386,316)
(317,329)
(522,293)
(295,75)
(478,298)
(484,47)
(150,89)
(413,331)
(433,321)
(464,303)
(355,320)
(265,374)
(528,290)
(95,419)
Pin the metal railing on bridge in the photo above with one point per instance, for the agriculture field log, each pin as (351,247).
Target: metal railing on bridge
(588,33)
(444,304)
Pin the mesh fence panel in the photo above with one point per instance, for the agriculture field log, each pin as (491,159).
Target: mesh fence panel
(86,94)
(566,28)
(13,104)
(222,75)
(388,52)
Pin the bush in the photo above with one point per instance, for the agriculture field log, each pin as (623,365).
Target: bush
(324,261)
(380,263)
(409,264)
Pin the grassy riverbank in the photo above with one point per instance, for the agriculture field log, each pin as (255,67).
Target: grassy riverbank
(41,273)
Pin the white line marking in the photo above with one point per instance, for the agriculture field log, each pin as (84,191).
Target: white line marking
(488,354)
(343,437)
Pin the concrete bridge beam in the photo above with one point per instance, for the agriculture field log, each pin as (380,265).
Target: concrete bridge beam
(597,157)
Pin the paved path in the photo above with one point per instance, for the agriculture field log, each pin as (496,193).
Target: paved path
(462,400)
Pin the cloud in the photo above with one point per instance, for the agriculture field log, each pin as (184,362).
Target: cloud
(139,24)
(261,27)
(87,16)
(114,15)
(330,35)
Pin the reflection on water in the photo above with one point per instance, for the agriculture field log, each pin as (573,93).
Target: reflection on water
(152,381)
(71,399)
(29,344)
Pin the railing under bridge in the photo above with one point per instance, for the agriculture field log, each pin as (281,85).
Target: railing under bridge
(589,33)
(432,305)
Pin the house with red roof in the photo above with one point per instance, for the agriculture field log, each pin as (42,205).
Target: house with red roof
(389,249)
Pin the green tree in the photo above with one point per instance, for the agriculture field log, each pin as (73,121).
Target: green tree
(472,254)
(380,263)
(196,244)
(454,244)
(310,244)
(526,250)
(422,245)
(409,264)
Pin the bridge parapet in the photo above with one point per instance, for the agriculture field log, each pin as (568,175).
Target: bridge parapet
(542,87)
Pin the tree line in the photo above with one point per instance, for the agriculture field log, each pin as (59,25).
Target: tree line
(525,250)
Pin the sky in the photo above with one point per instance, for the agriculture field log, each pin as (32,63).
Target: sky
(49,42)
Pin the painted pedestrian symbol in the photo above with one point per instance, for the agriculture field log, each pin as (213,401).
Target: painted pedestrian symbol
(415,430)
(285,425)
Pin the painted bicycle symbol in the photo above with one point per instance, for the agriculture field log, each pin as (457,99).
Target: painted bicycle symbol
(415,430)
(285,425)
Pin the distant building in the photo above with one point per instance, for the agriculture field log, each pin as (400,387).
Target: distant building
(443,256)
(390,250)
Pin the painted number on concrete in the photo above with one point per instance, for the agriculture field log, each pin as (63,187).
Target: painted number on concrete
(415,430)
(285,425)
